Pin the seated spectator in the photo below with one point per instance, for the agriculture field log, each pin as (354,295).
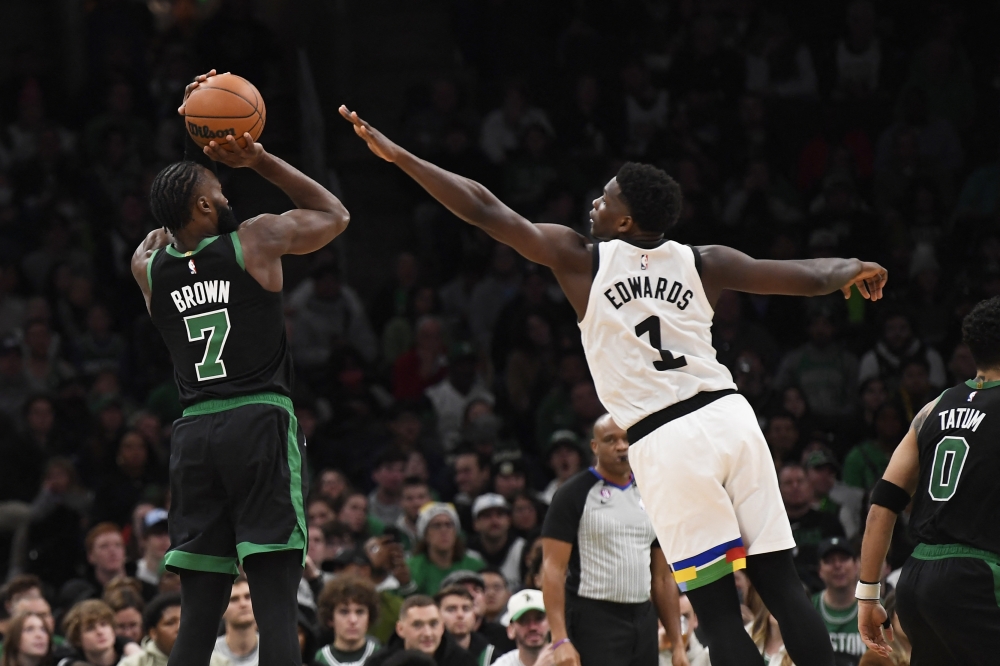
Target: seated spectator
(528,626)
(384,500)
(99,348)
(420,628)
(28,642)
(472,479)
(809,526)
(872,396)
(353,512)
(90,635)
(493,539)
(161,622)
(777,64)
(332,484)
(525,515)
(566,457)
(495,595)
(450,396)
(455,605)
(440,549)
(40,607)
(897,344)
(866,462)
(823,369)
(348,606)
(155,542)
(697,654)
(839,568)
(106,556)
(313,575)
(782,435)
(23,586)
(321,511)
(509,475)
(240,644)
(915,387)
(424,365)
(475,585)
(830,495)
(124,598)
(502,128)
(355,562)
(416,493)
(765,632)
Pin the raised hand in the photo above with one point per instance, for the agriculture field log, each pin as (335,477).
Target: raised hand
(870,280)
(191,87)
(230,153)
(376,141)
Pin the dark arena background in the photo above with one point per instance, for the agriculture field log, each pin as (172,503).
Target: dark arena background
(423,348)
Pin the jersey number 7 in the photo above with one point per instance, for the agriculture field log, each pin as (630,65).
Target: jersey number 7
(216,325)
(667,361)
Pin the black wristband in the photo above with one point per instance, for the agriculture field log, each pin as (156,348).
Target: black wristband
(889,495)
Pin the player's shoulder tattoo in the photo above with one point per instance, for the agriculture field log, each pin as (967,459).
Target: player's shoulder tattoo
(918,420)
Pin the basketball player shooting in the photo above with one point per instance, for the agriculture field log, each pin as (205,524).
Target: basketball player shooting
(237,460)
(645,306)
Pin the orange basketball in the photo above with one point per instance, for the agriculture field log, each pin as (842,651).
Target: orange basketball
(224,104)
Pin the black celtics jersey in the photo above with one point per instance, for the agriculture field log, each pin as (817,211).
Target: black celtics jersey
(225,332)
(958,495)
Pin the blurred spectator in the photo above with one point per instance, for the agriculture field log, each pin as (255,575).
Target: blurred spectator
(778,64)
(961,365)
(566,457)
(424,365)
(43,364)
(428,127)
(28,642)
(332,484)
(872,396)
(824,371)
(14,386)
(782,435)
(106,556)
(859,58)
(587,128)
(393,298)
(416,493)
(555,411)
(493,540)
(705,64)
(510,477)
(942,71)
(384,502)
(475,585)
(830,495)
(450,396)
(646,108)
(421,629)
(440,549)
(525,515)
(897,344)
(90,636)
(697,654)
(455,605)
(352,512)
(914,387)
(472,479)
(161,623)
(503,127)
(135,476)
(758,197)
(123,596)
(809,526)
(866,462)
(839,568)
(320,511)
(732,334)
(240,644)
(489,297)
(766,633)
(496,594)
(528,626)
(348,606)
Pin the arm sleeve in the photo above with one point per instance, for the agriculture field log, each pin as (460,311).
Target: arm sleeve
(563,517)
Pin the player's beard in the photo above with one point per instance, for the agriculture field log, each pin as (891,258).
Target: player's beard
(227,220)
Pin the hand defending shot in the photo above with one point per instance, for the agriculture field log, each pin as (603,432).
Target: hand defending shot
(376,141)
(870,280)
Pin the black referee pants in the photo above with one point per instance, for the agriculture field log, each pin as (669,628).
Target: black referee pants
(606,633)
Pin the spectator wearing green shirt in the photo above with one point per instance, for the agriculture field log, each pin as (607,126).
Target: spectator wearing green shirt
(866,462)
(440,548)
(839,568)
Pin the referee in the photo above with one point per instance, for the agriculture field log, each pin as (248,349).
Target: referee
(601,564)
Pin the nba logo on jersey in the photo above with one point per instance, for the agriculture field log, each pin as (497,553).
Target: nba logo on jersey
(644,262)
(194,271)
(972,395)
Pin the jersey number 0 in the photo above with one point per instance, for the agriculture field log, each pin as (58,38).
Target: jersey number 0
(216,325)
(667,361)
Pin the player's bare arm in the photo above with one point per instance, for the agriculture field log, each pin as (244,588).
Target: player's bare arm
(666,597)
(157,239)
(560,248)
(903,471)
(726,268)
(555,561)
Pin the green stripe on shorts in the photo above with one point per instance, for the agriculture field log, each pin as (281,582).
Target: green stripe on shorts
(925,551)
(298,538)
(180,559)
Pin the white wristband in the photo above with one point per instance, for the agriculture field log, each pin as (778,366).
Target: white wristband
(868,591)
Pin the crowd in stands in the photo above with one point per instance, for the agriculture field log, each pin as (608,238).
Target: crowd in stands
(444,407)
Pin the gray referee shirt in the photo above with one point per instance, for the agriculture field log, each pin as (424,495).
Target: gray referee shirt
(611,536)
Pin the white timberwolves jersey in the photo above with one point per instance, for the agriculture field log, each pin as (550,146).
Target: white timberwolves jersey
(647,332)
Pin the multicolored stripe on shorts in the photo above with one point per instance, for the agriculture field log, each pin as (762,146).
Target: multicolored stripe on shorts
(710,566)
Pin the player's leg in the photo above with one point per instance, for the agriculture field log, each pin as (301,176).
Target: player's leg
(274,581)
(774,577)
(204,598)
(717,606)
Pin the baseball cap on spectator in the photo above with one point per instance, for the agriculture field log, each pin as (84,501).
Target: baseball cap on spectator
(489,501)
(350,556)
(565,439)
(820,458)
(154,522)
(835,545)
(432,510)
(520,603)
(509,467)
(463,576)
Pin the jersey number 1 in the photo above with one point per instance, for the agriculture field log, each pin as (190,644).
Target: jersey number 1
(667,361)
(216,325)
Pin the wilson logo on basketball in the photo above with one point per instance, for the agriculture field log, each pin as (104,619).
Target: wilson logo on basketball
(206,132)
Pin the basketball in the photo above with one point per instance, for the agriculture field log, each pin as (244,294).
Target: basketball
(224,104)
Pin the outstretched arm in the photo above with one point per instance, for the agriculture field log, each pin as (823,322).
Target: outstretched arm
(726,268)
(552,245)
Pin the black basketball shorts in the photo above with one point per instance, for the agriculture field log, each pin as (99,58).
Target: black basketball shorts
(948,602)
(237,482)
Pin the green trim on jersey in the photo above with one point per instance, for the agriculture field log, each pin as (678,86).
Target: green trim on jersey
(298,539)
(926,551)
(205,242)
(180,559)
(331,656)
(149,271)
(842,627)
(973,384)
(238,248)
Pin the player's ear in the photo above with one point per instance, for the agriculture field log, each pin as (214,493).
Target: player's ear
(203,205)
(625,224)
